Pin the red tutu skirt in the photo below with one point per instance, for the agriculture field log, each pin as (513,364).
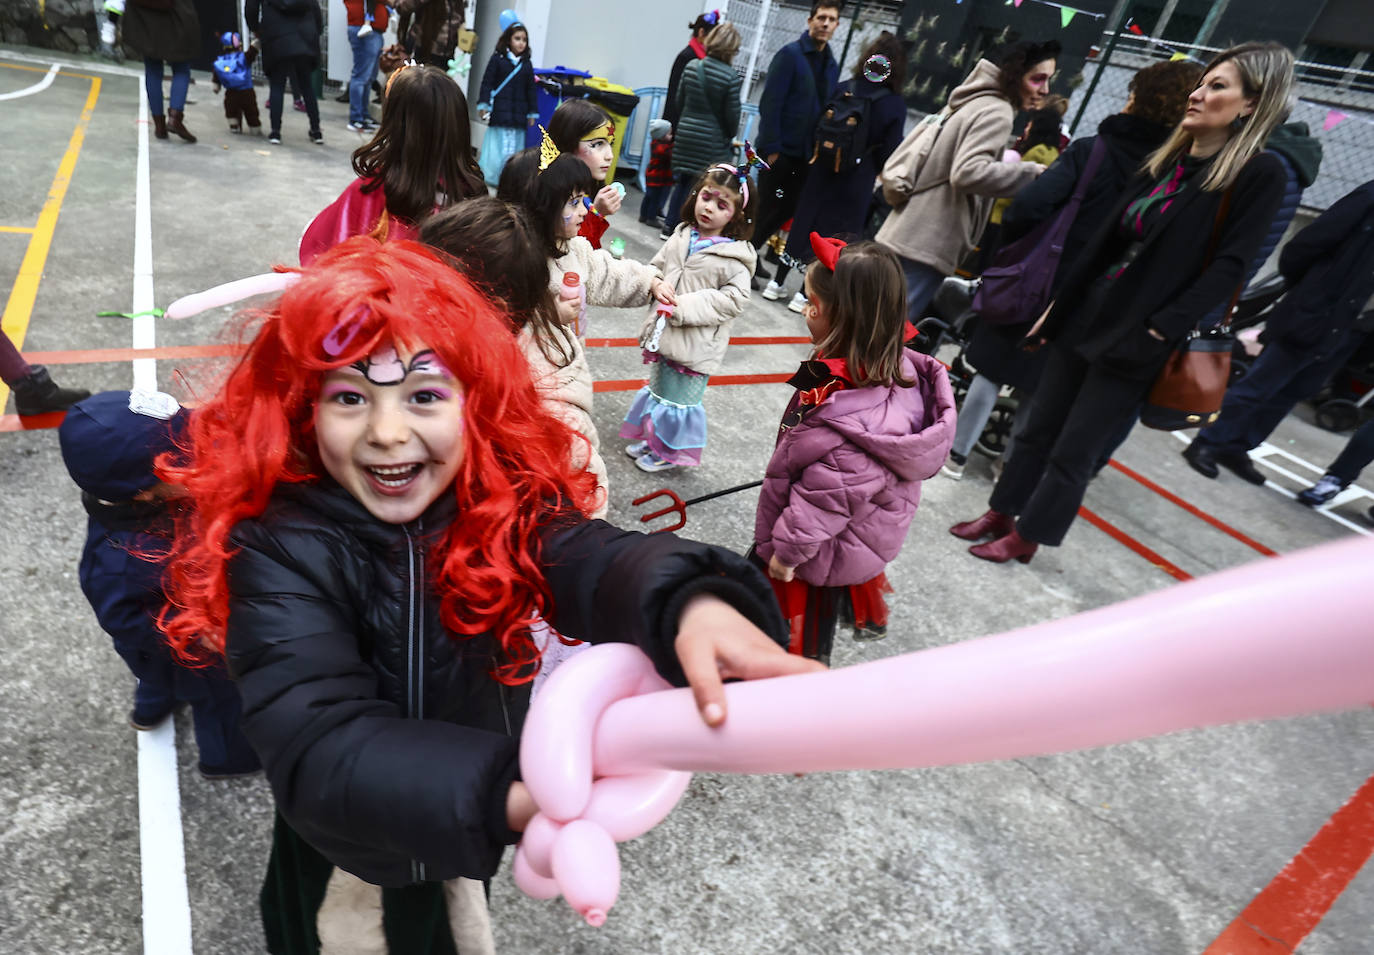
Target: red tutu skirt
(813,612)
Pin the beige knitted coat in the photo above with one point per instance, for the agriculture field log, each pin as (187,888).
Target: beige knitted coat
(964,173)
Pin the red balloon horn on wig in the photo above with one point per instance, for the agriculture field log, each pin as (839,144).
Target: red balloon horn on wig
(827,250)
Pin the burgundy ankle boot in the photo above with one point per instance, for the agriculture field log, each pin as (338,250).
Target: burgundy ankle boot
(159,126)
(991,524)
(1005,548)
(175,123)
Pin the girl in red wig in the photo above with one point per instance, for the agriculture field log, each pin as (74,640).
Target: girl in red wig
(381,506)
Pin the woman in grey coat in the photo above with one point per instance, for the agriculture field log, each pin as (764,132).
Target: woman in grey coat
(709,100)
(165,31)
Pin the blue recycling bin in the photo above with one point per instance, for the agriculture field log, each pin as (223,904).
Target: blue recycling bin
(553,86)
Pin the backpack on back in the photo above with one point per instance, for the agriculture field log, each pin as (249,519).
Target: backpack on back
(903,167)
(842,131)
(231,69)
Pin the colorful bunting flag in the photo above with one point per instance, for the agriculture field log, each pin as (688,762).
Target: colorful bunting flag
(1333,119)
(1066,16)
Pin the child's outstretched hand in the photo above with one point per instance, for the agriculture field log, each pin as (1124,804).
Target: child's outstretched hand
(662,291)
(715,642)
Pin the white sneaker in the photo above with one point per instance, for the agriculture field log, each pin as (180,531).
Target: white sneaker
(774,291)
(798,304)
(952,469)
(637,449)
(648,461)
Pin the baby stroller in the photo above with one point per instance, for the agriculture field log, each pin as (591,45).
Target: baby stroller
(945,333)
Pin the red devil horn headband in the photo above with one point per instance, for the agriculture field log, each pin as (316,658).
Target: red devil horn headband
(827,250)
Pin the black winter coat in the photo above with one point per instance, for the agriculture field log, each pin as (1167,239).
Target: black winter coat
(287,28)
(1168,286)
(172,36)
(994,349)
(1330,270)
(792,100)
(518,99)
(387,744)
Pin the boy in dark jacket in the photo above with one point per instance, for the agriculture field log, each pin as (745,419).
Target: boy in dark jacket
(1330,271)
(109,443)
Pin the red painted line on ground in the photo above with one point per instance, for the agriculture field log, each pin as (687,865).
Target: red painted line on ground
(1289,907)
(757,340)
(1197,512)
(1121,537)
(96,355)
(38,422)
(634,384)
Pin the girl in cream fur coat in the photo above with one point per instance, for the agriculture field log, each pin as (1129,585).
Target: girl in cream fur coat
(708,261)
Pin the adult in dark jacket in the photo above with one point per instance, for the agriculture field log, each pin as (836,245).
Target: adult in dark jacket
(171,36)
(1141,287)
(801,77)
(289,31)
(1329,267)
(693,51)
(430,28)
(835,202)
(1158,97)
(709,118)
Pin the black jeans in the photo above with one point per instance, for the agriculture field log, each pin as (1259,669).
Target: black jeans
(1077,410)
(298,70)
(1356,456)
(779,189)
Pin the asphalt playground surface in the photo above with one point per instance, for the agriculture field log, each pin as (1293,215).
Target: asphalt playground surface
(1229,839)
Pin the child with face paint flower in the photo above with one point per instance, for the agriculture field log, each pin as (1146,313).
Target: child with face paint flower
(380,506)
(581,129)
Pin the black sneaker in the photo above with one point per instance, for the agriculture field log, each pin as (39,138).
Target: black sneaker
(274,137)
(317,137)
(1239,464)
(1321,492)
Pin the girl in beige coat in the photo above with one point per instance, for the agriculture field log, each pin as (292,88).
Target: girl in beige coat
(708,261)
(948,199)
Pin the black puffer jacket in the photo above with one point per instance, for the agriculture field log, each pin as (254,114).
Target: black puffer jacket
(287,28)
(387,744)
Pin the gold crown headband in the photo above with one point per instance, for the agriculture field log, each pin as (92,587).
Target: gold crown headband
(548,152)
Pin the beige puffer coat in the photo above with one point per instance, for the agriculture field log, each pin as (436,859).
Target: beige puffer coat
(567,394)
(944,219)
(711,288)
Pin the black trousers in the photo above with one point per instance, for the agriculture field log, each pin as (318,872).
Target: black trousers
(298,70)
(779,189)
(1078,409)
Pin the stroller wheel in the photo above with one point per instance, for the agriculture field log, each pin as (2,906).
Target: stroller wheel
(1338,414)
(997,432)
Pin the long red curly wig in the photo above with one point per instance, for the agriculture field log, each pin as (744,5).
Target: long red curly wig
(258,432)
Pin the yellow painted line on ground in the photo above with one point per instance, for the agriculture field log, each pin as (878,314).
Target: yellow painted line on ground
(17,228)
(19,307)
(44,69)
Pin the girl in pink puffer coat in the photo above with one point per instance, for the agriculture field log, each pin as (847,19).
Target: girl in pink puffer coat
(869,422)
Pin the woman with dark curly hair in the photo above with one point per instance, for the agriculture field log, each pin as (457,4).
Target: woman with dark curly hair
(941,208)
(1158,97)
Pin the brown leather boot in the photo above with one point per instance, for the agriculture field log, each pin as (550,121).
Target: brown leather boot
(160,126)
(175,124)
(991,524)
(1005,548)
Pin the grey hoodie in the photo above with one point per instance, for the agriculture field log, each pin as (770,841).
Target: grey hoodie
(963,174)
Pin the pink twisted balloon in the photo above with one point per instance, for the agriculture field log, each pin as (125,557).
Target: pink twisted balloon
(1273,638)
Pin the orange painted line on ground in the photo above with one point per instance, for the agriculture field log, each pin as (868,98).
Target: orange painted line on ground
(44,69)
(38,422)
(1197,512)
(97,355)
(1121,537)
(1289,907)
(634,384)
(755,340)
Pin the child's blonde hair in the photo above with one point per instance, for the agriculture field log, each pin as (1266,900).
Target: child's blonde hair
(745,193)
(864,300)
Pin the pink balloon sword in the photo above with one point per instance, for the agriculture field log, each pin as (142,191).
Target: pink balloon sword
(1273,638)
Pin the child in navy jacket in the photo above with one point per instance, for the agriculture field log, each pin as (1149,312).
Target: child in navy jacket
(109,444)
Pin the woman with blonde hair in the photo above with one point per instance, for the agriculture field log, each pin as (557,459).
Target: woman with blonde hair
(1144,282)
(709,100)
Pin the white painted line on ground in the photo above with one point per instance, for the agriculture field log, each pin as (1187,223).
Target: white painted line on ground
(166,909)
(38,87)
(1265,451)
(162,851)
(71,64)
(144,329)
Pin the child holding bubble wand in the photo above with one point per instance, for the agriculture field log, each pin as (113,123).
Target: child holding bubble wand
(380,506)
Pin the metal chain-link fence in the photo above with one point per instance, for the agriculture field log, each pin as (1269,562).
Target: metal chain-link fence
(1337,106)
